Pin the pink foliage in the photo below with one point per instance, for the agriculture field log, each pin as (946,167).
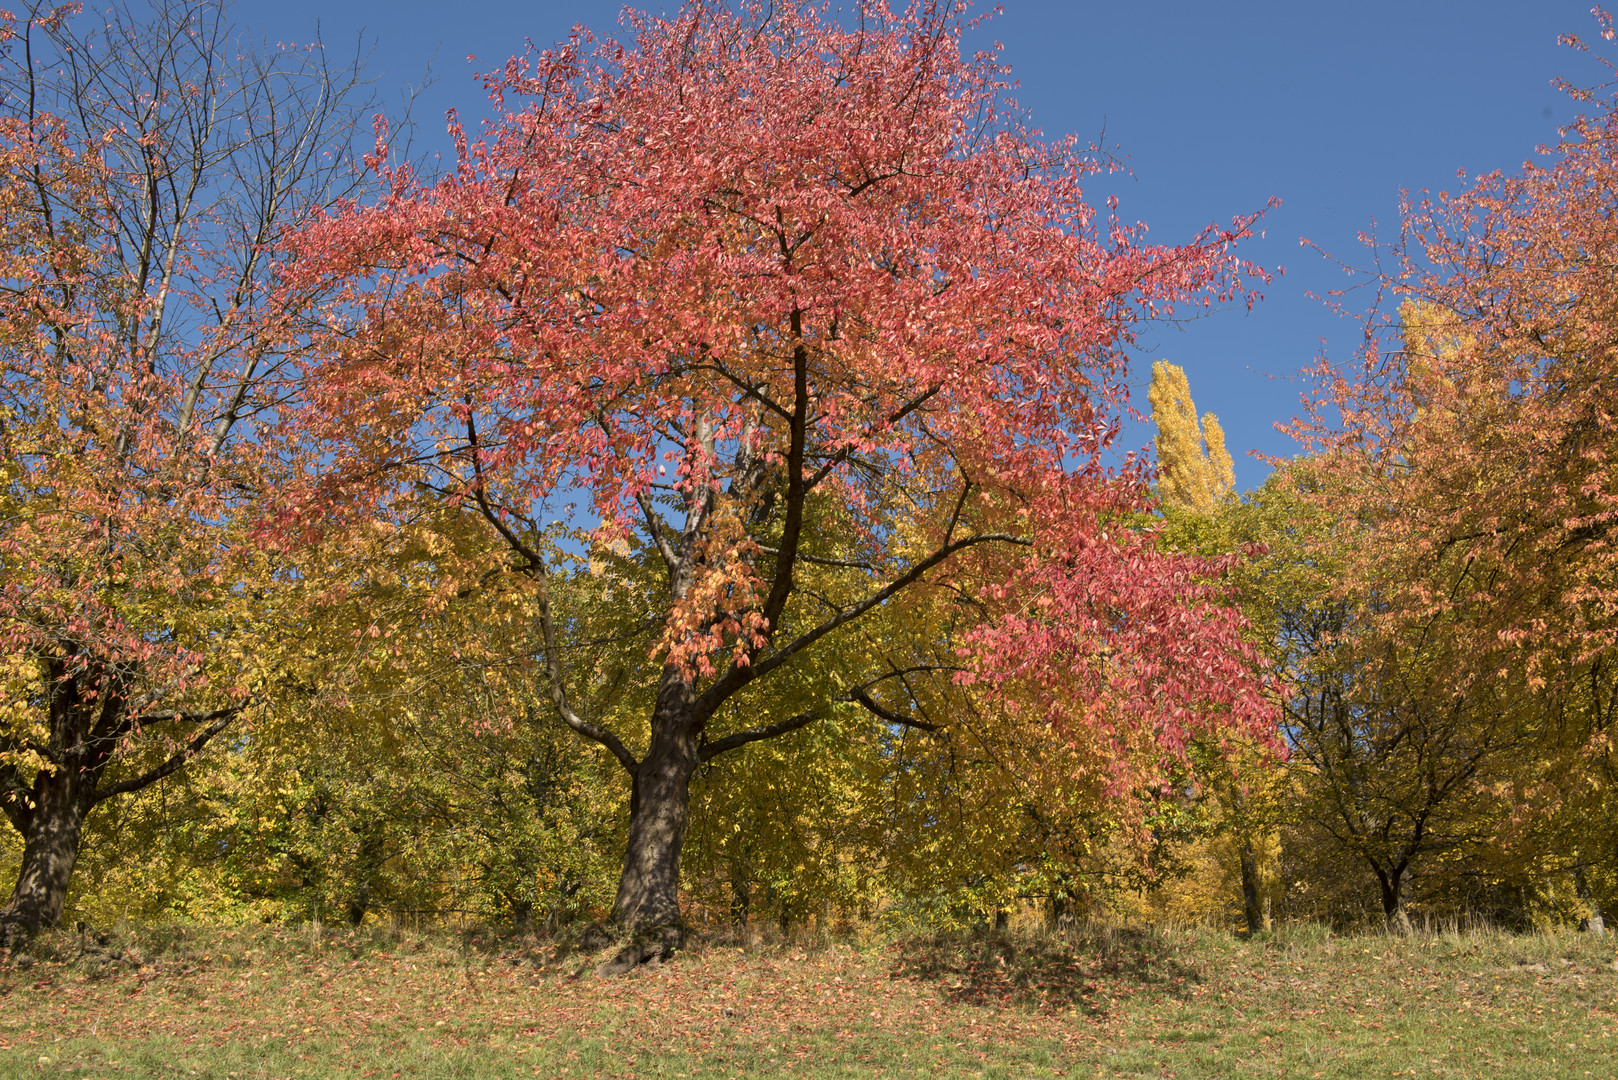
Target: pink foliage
(764,243)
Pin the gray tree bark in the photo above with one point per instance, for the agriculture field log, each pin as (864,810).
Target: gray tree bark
(647,906)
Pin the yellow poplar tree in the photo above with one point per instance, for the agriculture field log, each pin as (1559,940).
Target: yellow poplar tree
(1194,469)
(1195,480)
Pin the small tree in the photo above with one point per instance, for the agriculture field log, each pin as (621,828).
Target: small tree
(148,174)
(798,318)
(1468,457)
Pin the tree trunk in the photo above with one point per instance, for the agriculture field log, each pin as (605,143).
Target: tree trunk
(1592,922)
(51,833)
(1393,884)
(1061,906)
(741,892)
(368,866)
(88,723)
(1252,905)
(1251,902)
(647,908)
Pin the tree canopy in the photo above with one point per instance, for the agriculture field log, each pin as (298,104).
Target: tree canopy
(702,497)
(149,177)
(803,315)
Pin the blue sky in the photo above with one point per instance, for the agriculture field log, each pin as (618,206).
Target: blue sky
(1215,107)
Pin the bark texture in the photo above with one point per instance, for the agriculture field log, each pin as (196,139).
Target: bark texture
(51,830)
(89,720)
(647,907)
(1395,894)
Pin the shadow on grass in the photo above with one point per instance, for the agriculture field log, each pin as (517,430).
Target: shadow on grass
(1088,974)
(158,950)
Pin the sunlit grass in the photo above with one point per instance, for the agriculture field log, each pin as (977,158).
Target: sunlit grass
(176,1001)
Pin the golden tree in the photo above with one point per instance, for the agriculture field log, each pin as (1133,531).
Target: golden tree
(149,172)
(1194,469)
(1196,476)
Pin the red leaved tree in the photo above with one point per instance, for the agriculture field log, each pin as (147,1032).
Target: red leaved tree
(1469,460)
(802,317)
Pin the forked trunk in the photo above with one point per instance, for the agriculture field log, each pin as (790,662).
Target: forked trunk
(51,832)
(88,723)
(1394,898)
(647,908)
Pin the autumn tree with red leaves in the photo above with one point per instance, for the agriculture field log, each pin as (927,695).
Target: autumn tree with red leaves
(1469,462)
(798,318)
(149,171)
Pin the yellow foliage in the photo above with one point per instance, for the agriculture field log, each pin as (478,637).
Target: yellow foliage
(1196,471)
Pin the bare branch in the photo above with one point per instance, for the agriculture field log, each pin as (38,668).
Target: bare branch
(819,560)
(536,570)
(186,718)
(654,528)
(842,455)
(738,675)
(749,392)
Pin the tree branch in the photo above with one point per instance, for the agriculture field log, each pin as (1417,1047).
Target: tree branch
(671,560)
(13,798)
(748,392)
(536,570)
(860,697)
(709,751)
(818,560)
(842,455)
(792,526)
(184,718)
(222,719)
(738,676)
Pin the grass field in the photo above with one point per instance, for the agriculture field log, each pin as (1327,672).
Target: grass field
(261,1002)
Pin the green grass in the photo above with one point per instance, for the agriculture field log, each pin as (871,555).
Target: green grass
(239,1003)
